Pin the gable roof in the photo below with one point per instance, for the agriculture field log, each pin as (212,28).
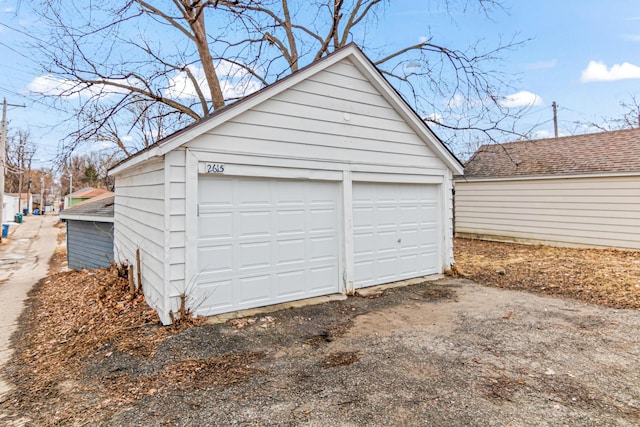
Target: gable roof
(88,193)
(80,191)
(596,153)
(99,208)
(350,51)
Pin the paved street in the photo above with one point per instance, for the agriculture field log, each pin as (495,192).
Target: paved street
(24,259)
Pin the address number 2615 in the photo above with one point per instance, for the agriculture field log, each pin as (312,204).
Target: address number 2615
(215,168)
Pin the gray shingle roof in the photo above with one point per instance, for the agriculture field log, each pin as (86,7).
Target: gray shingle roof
(604,152)
(98,207)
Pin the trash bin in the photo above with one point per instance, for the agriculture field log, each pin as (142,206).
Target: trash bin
(18,218)
(36,211)
(5,230)
(25,211)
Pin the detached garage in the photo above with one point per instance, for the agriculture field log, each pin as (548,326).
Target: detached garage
(573,191)
(321,183)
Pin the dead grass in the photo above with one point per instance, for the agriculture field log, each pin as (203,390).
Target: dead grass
(72,316)
(607,277)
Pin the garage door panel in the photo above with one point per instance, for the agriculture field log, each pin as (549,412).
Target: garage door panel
(322,220)
(216,259)
(221,195)
(290,283)
(322,248)
(253,289)
(250,193)
(216,295)
(254,255)
(322,279)
(280,242)
(291,221)
(255,223)
(289,251)
(395,232)
(216,225)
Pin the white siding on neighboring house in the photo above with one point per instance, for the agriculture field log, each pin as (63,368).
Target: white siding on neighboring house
(593,211)
(9,207)
(139,223)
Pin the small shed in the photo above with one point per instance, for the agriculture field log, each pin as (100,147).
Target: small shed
(90,232)
(322,183)
(581,190)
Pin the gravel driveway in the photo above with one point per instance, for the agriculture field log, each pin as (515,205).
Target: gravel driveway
(439,353)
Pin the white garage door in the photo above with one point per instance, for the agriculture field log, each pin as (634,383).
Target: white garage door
(264,242)
(395,232)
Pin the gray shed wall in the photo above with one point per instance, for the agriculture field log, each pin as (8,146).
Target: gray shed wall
(89,244)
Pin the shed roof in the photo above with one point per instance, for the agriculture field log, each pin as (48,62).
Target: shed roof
(99,208)
(596,153)
(351,51)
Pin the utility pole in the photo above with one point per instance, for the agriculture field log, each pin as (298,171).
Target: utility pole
(42,195)
(555,118)
(3,155)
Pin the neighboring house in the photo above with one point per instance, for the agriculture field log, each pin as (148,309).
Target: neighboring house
(579,190)
(82,195)
(9,207)
(321,183)
(90,232)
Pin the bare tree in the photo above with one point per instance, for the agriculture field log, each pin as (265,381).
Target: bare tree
(176,61)
(20,153)
(629,119)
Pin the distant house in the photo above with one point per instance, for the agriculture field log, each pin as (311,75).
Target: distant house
(82,195)
(579,190)
(90,232)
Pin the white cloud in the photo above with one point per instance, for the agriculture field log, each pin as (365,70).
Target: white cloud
(423,39)
(521,99)
(52,86)
(456,101)
(597,71)
(235,82)
(433,117)
(9,10)
(541,134)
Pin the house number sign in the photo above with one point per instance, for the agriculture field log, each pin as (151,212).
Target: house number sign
(214,167)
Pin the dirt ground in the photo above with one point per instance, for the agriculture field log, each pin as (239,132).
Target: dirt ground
(449,352)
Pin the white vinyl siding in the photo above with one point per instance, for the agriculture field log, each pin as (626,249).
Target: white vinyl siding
(334,116)
(176,225)
(139,213)
(594,211)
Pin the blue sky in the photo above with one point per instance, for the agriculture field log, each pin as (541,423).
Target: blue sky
(583,54)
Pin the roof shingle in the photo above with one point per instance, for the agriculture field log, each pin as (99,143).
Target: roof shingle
(604,152)
(99,206)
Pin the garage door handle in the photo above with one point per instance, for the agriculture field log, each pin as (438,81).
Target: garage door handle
(400,240)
